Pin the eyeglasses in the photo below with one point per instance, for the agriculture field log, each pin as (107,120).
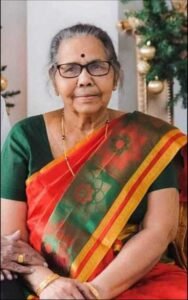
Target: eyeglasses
(94,68)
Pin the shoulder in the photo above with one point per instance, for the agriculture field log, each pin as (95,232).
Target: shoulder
(27,122)
(113,114)
(149,123)
(27,125)
(24,130)
(151,120)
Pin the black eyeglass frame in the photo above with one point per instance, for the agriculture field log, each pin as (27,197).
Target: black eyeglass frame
(82,67)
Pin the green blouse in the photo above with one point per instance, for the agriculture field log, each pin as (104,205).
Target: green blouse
(27,150)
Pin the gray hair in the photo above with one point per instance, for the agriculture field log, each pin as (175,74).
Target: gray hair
(85,29)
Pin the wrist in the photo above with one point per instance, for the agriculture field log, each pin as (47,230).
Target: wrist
(93,290)
(46,282)
(103,291)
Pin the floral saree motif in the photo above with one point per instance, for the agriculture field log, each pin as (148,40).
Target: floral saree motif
(74,222)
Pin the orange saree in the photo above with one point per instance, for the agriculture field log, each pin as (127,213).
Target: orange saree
(75,222)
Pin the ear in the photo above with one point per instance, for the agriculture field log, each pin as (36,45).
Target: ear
(52,77)
(116,79)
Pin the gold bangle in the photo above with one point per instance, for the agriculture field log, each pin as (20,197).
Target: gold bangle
(50,278)
(93,290)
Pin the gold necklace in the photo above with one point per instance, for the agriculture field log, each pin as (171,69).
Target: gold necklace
(64,141)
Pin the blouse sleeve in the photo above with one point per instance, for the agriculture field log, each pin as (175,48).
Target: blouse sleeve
(14,165)
(167,179)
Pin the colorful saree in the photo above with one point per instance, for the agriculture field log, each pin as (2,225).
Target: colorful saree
(76,222)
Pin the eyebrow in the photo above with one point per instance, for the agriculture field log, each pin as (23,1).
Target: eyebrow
(92,61)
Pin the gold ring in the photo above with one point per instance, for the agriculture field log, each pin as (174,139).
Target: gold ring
(20,258)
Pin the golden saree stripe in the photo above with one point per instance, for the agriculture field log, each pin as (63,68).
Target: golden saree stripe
(87,260)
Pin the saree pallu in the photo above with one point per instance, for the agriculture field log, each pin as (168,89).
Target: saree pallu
(75,222)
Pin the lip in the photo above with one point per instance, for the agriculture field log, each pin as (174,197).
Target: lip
(86,96)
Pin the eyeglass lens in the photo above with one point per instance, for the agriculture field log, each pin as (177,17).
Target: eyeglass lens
(97,68)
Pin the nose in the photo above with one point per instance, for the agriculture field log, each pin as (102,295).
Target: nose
(84,79)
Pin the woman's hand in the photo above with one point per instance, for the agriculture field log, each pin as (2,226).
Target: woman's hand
(6,274)
(65,288)
(17,256)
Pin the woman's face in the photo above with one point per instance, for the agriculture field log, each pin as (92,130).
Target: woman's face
(86,93)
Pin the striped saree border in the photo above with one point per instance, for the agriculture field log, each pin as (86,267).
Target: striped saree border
(116,218)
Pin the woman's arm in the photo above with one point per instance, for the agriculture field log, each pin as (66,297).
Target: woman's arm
(143,251)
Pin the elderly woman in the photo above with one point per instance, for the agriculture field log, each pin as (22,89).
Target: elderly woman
(94,190)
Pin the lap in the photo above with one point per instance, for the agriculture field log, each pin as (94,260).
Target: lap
(163,282)
(12,289)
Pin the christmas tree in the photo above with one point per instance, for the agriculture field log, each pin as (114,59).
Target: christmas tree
(163,45)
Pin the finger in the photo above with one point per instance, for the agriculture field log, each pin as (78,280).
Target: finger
(67,297)
(85,291)
(7,274)
(78,295)
(15,275)
(32,257)
(18,268)
(34,260)
(27,258)
(2,276)
(14,236)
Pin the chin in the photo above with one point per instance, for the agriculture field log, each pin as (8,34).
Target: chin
(88,109)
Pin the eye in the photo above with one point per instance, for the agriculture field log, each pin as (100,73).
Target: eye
(96,65)
(69,68)
(99,68)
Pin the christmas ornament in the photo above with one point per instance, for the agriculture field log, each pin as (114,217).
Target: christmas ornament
(155,86)
(147,52)
(134,22)
(143,67)
(124,25)
(4,83)
(180,6)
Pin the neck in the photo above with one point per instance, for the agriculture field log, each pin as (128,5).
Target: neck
(85,123)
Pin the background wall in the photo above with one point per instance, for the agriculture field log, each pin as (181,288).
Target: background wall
(28,27)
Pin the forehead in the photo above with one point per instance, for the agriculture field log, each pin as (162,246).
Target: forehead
(72,49)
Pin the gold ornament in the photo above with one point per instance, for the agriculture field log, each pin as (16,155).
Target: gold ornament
(124,25)
(4,83)
(143,67)
(180,6)
(155,86)
(130,24)
(147,52)
(134,22)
